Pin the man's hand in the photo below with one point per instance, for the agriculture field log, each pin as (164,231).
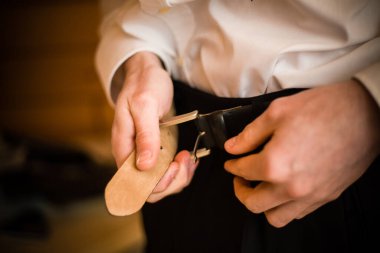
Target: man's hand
(178,176)
(146,96)
(318,142)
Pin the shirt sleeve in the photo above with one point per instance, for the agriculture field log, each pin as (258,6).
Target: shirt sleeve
(370,75)
(124,32)
(370,78)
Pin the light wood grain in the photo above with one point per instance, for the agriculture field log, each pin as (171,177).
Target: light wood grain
(130,187)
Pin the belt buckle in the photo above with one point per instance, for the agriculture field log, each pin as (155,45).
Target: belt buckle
(211,128)
(196,153)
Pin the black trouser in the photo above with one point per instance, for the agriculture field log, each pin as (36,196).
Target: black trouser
(207,217)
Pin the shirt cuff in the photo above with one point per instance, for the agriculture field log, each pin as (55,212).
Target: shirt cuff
(116,46)
(112,52)
(370,78)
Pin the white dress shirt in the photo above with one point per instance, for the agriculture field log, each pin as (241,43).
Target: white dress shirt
(243,48)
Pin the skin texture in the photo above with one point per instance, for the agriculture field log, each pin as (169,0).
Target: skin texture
(319,142)
(146,97)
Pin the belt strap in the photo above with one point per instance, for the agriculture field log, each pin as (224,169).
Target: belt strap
(129,188)
(220,125)
(224,122)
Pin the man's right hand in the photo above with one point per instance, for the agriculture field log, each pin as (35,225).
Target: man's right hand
(146,96)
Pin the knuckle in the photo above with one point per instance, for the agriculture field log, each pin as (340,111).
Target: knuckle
(142,100)
(147,136)
(275,168)
(298,189)
(144,134)
(246,134)
(275,109)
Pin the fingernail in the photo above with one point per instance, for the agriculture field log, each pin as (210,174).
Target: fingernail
(144,157)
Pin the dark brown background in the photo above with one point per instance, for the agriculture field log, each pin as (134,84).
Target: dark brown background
(52,106)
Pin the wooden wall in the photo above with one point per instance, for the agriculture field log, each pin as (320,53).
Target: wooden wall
(48,85)
(49,90)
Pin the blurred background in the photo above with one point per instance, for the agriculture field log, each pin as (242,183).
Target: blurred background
(55,155)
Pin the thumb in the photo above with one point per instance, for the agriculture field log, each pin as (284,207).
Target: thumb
(253,136)
(146,120)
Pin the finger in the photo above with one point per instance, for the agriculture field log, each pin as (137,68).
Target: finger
(270,164)
(157,196)
(251,167)
(167,178)
(285,213)
(186,171)
(180,181)
(146,120)
(309,210)
(191,166)
(253,135)
(123,135)
(261,198)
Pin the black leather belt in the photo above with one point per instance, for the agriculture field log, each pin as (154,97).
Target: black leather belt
(227,120)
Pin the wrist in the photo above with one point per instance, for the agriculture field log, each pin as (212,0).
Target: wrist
(142,60)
